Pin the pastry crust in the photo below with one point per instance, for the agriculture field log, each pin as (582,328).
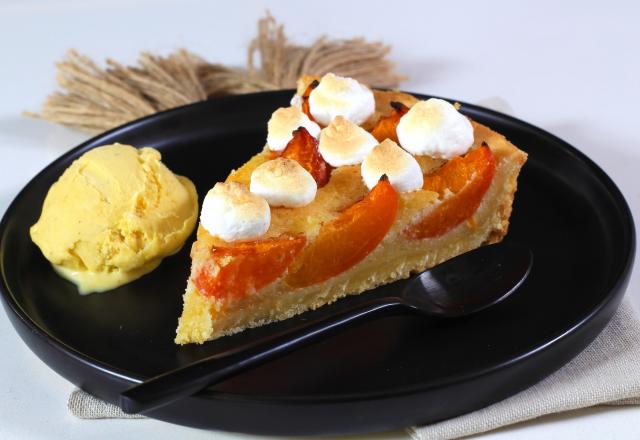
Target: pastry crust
(396,257)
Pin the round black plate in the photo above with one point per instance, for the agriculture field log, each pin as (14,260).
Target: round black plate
(384,374)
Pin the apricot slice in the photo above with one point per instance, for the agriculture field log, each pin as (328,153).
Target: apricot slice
(348,239)
(385,128)
(468,177)
(303,148)
(245,267)
(305,99)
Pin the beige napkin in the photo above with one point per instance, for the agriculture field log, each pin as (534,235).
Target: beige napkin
(606,372)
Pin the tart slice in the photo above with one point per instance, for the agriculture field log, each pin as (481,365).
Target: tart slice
(354,189)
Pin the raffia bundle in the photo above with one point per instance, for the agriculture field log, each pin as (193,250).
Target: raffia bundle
(96,99)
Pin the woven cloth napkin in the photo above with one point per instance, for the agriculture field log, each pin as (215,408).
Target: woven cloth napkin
(606,372)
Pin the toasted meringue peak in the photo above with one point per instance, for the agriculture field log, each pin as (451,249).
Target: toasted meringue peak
(400,167)
(283,182)
(232,213)
(336,95)
(296,101)
(282,124)
(435,128)
(344,143)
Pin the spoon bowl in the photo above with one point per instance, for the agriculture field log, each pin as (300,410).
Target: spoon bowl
(470,282)
(458,287)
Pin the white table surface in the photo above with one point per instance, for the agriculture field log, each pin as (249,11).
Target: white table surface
(571,68)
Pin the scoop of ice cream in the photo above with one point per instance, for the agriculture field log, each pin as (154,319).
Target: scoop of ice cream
(113,215)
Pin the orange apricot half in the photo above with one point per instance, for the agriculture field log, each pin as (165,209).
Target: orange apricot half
(242,268)
(385,128)
(305,99)
(468,178)
(303,148)
(348,239)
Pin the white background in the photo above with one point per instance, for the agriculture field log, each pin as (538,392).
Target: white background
(572,68)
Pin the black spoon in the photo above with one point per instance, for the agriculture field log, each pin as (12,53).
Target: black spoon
(459,287)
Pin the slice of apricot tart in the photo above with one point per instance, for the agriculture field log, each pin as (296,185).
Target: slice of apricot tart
(350,238)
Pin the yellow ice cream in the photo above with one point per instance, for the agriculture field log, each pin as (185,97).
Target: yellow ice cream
(113,215)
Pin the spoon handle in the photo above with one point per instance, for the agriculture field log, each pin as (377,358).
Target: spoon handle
(186,381)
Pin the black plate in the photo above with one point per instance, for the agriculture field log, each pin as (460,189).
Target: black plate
(384,374)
